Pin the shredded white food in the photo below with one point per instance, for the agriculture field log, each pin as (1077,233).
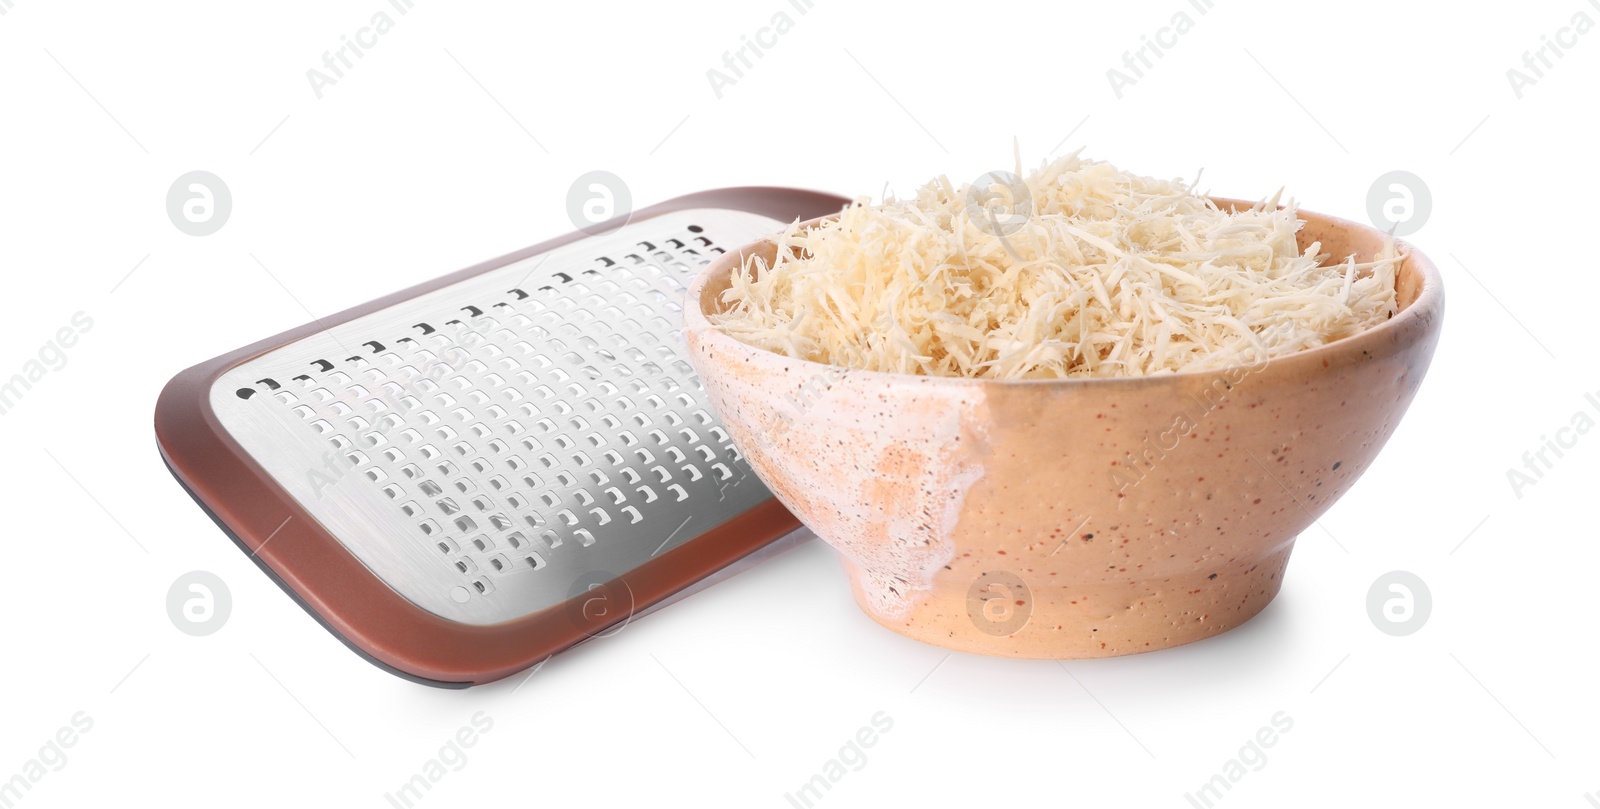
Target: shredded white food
(1080,270)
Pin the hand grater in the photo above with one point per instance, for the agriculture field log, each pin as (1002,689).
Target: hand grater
(463,478)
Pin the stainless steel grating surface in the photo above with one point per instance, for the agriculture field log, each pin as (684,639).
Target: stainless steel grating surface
(494,447)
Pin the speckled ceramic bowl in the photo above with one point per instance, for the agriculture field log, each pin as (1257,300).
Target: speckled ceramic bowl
(1070,518)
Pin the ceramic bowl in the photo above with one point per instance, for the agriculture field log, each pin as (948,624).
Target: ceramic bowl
(1070,518)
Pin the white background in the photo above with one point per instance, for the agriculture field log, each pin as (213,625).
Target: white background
(424,159)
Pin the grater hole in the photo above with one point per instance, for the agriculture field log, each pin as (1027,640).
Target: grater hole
(446,546)
(535,561)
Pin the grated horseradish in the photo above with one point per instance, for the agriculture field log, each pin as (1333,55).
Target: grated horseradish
(1080,270)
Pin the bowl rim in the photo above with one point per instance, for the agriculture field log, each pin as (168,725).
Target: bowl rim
(1409,325)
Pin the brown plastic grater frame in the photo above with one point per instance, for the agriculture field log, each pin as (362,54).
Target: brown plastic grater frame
(278,531)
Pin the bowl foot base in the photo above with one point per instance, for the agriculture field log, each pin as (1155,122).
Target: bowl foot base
(1012,615)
